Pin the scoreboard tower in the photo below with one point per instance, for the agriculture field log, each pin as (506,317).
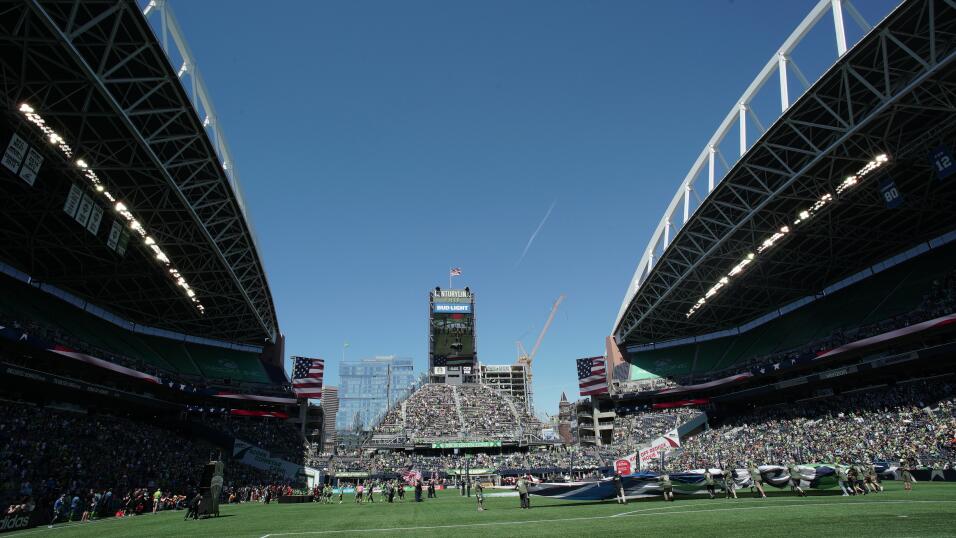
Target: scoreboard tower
(452,345)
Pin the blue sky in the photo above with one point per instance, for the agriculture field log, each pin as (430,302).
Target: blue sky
(382,142)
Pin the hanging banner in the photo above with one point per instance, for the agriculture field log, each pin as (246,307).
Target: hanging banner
(662,445)
(31,167)
(13,156)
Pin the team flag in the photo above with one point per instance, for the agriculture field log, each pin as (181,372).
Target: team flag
(307,377)
(455,272)
(592,375)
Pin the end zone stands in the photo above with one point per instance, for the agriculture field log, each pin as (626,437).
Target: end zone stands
(438,412)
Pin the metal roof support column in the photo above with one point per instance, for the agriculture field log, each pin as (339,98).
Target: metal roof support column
(837,8)
(784,94)
(742,118)
(686,202)
(710,169)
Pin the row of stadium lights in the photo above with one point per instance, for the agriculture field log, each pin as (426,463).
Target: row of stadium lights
(802,216)
(118,206)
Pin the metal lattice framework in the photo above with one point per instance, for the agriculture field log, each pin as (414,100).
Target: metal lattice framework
(891,93)
(96,71)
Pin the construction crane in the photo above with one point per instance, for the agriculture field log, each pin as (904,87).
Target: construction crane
(524,358)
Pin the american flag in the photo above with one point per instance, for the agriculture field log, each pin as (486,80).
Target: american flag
(592,376)
(455,272)
(307,377)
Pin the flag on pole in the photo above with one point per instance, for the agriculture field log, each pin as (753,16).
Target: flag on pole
(592,376)
(307,377)
(456,271)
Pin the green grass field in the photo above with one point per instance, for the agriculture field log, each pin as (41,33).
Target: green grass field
(930,510)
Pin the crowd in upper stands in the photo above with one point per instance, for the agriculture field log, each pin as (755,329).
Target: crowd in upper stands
(911,420)
(633,429)
(282,438)
(551,461)
(448,411)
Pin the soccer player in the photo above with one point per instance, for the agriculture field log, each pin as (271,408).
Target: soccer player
(480,495)
(666,486)
(756,480)
(709,483)
(341,492)
(58,507)
(795,480)
(401,492)
(370,492)
(359,492)
(157,497)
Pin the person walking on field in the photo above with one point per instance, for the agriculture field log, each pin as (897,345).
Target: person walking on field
(795,480)
(730,485)
(757,480)
(522,487)
(710,484)
(619,488)
(480,495)
(666,486)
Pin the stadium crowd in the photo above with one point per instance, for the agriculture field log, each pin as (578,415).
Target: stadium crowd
(914,420)
(633,429)
(100,463)
(447,411)
(282,439)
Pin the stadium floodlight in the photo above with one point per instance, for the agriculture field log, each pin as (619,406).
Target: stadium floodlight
(804,215)
(119,206)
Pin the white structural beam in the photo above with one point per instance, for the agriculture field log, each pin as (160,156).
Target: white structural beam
(737,115)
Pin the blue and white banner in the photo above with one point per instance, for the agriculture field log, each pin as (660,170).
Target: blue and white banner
(891,195)
(648,484)
(943,162)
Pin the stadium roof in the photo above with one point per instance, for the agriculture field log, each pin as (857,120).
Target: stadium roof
(892,95)
(94,72)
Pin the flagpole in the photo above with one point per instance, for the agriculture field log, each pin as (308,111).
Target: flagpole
(449,278)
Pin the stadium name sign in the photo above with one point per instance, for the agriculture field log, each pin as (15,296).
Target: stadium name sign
(467,444)
(457,294)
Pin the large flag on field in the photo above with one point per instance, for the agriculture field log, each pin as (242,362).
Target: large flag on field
(592,376)
(307,377)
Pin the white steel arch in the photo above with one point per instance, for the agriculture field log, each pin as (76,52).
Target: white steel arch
(192,81)
(681,208)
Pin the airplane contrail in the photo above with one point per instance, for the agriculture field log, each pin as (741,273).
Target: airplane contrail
(535,234)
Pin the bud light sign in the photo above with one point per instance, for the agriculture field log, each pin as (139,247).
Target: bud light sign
(451,308)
